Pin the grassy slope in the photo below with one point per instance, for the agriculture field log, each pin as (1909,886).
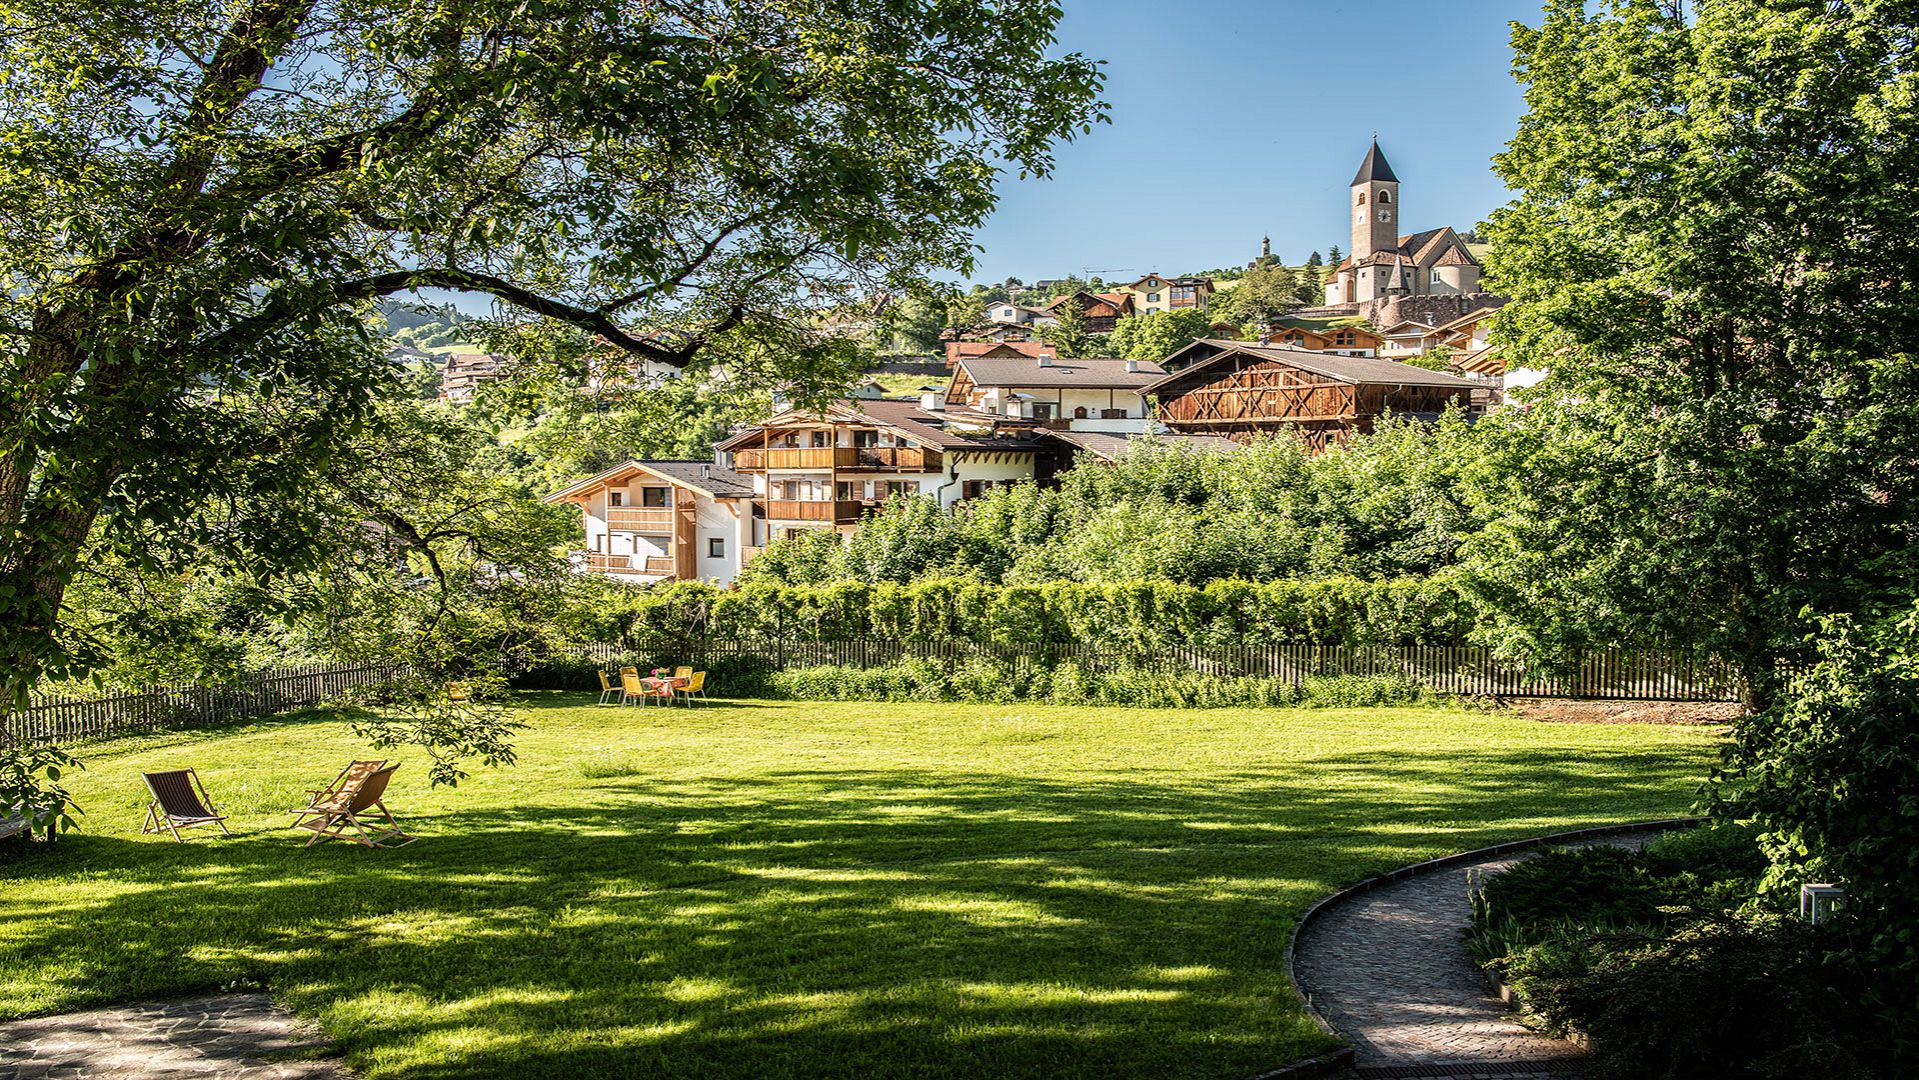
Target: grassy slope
(795,889)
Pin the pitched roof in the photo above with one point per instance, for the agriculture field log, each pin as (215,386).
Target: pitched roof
(1097,374)
(1357,370)
(904,417)
(1109,447)
(714,481)
(956,350)
(1374,168)
(1473,316)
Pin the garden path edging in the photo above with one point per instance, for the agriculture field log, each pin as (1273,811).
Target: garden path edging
(1344,1059)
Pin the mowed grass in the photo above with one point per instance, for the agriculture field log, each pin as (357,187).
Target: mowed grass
(776,889)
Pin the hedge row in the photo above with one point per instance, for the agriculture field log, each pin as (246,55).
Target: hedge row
(986,680)
(1332,611)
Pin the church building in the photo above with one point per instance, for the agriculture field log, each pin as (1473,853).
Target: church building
(1385,268)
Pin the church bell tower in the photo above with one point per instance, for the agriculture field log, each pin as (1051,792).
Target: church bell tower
(1375,206)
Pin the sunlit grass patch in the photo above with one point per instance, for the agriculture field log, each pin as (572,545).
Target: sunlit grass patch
(783,889)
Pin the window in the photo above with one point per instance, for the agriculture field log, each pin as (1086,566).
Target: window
(866,438)
(716,547)
(1152,298)
(1112,414)
(616,498)
(902,487)
(1385,196)
(655,496)
(1043,410)
(1437,280)
(819,438)
(843,490)
(1362,198)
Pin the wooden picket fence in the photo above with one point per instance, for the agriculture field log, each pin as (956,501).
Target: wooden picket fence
(254,694)
(1607,674)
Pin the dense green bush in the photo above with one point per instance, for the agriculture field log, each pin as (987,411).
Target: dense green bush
(675,617)
(985,680)
(1671,960)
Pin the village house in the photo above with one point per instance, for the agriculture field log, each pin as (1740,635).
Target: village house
(465,369)
(961,350)
(1077,395)
(648,521)
(1102,310)
(1342,340)
(813,470)
(1155,293)
(1238,390)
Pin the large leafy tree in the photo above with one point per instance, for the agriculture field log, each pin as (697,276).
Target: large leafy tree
(1714,251)
(199,202)
(1158,335)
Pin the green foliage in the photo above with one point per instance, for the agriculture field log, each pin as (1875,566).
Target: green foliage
(1669,959)
(985,680)
(1391,504)
(1145,614)
(30,786)
(1829,772)
(1158,335)
(203,208)
(1068,333)
(1711,254)
(1263,296)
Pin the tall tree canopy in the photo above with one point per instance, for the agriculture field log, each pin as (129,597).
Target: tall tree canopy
(198,202)
(1714,251)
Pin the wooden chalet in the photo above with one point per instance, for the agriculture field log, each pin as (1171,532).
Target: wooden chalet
(1101,309)
(1349,340)
(651,520)
(815,470)
(1239,390)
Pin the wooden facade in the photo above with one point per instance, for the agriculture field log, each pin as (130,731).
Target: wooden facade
(1238,390)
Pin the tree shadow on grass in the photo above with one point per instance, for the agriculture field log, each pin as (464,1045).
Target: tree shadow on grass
(806,922)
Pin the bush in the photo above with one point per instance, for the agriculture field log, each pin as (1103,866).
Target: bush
(1669,960)
(982,679)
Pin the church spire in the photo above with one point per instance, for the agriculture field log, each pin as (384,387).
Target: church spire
(1374,167)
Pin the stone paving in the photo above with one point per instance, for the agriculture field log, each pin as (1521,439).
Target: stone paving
(219,1037)
(1389,969)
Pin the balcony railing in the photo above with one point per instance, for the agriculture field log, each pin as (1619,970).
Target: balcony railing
(646,519)
(604,563)
(839,511)
(914,458)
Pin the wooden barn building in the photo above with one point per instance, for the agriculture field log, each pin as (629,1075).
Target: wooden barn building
(1240,389)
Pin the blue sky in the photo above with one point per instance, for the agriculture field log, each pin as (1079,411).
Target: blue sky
(1234,119)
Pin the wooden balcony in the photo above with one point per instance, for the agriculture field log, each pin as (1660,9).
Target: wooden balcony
(795,457)
(838,511)
(902,458)
(643,519)
(600,562)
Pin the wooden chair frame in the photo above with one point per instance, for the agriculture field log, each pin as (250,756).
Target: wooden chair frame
(161,818)
(360,807)
(356,771)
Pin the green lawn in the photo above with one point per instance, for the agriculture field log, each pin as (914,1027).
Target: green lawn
(795,889)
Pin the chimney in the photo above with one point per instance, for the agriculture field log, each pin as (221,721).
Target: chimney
(1132,367)
(706,472)
(933,401)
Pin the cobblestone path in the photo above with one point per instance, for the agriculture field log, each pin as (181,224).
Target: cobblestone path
(221,1037)
(1389,969)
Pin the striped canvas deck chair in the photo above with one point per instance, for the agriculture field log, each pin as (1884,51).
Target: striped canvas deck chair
(354,773)
(357,813)
(179,802)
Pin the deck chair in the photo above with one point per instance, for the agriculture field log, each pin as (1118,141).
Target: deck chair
(354,773)
(607,689)
(179,802)
(695,689)
(357,813)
